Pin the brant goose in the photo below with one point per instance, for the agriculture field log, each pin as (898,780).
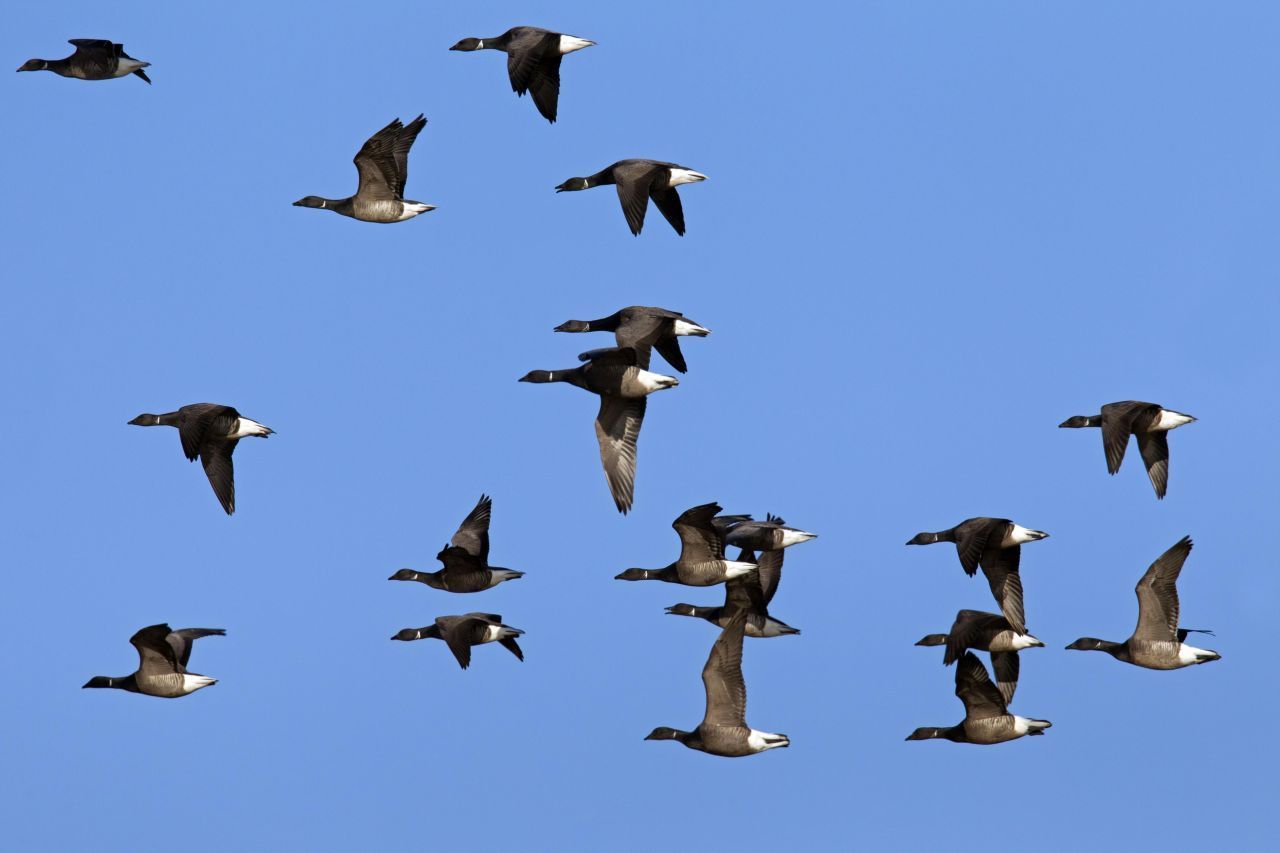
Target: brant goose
(614,375)
(210,431)
(724,730)
(463,632)
(988,632)
(702,561)
(643,328)
(1157,642)
(162,663)
(466,558)
(1149,422)
(995,544)
(637,182)
(770,535)
(94,59)
(986,712)
(383,164)
(751,594)
(533,62)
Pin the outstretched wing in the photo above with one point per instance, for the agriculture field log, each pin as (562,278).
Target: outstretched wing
(182,639)
(473,533)
(1000,565)
(1154,447)
(667,200)
(216,458)
(617,430)
(1117,424)
(700,542)
(155,655)
(383,161)
(1158,594)
(1006,665)
(533,64)
(722,678)
(974,688)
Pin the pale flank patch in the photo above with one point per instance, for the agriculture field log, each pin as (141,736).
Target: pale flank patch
(795,537)
(734,569)
(684,327)
(1170,420)
(568,44)
(191,682)
(685,176)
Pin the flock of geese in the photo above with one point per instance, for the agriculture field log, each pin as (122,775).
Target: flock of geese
(621,378)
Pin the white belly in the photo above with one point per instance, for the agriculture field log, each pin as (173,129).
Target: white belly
(685,176)
(684,327)
(1170,420)
(568,44)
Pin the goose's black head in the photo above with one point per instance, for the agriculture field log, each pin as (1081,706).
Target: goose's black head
(666,733)
(923,539)
(1088,644)
(468,44)
(35,65)
(404,575)
(573,325)
(97,680)
(634,575)
(406,634)
(145,420)
(311,201)
(1075,422)
(573,185)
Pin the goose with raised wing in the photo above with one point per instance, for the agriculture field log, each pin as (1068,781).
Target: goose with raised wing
(211,432)
(988,632)
(466,558)
(460,633)
(94,59)
(986,712)
(1157,642)
(1150,423)
(533,62)
(638,181)
(644,329)
(724,730)
(163,654)
(702,560)
(995,545)
(383,165)
(615,376)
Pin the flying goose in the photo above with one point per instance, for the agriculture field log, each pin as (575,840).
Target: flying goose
(986,712)
(383,164)
(466,558)
(1157,642)
(643,329)
(988,632)
(995,544)
(637,182)
(751,594)
(1149,422)
(94,59)
(770,535)
(724,730)
(210,431)
(463,632)
(614,375)
(162,663)
(533,62)
(702,560)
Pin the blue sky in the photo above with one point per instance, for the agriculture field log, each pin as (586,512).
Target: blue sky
(932,231)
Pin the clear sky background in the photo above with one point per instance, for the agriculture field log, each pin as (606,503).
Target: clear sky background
(932,231)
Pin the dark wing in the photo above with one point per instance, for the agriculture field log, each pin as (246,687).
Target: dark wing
(533,64)
(155,655)
(510,644)
(617,429)
(460,634)
(745,593)
(971,542)
(770,563)
(1158,594)
(669,348)
(625,356)
(182,639)
(1117,424)
(1000,565)
(1006,665)
(699,539)
(722,677)
(383,161)
(98,57)
(967,632)
(640,331)
(215,455)
(1154,447)
(473,533)
(634,184)
(197,420)
(667,200)
(974,688)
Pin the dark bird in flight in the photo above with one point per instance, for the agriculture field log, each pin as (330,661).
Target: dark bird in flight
(702,560)
(465,558)
(460,633)
(638,181)
(987,632)
(162,663)
(210,431)
(533,62)
(986,713)
(94,59)
(1149,422)
(643,329)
